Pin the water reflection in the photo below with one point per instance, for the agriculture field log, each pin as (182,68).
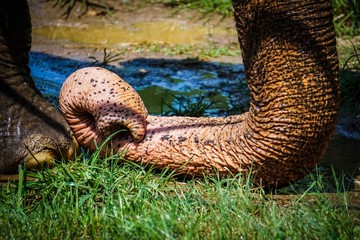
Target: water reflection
(154,32)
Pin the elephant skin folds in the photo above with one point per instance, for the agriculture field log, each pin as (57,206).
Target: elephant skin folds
(290,59)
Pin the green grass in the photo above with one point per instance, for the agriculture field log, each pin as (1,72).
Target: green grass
(194,51)
(223,7)
(98,198)
(346,12)
(107,58)
(199,52)
(195,106)
(346,17)
(350,77)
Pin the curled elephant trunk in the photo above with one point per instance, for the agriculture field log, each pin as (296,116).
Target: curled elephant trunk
(97,102)
(291,65)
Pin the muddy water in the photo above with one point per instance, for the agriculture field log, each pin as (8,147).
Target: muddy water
(153,32)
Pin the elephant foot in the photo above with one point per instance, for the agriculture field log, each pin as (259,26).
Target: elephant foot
(32,132)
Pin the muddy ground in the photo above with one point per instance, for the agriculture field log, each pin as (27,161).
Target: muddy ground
(44,13)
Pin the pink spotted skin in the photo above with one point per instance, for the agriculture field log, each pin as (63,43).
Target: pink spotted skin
(97,102)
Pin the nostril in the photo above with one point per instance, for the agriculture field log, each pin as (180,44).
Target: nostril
(121,132)
(125,129)
(83,125)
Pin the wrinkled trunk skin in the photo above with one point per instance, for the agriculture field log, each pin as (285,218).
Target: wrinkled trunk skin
(290,58)
(291,65)
(29,126)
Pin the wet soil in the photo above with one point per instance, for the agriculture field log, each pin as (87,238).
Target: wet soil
(126,17)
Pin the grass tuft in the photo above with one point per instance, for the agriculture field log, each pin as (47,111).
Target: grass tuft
(195,106)
(107,58)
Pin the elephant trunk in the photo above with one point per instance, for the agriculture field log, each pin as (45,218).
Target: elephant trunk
(92,116)
(291,64)
(292,72)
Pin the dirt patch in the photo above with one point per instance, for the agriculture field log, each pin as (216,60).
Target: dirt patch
(44,13)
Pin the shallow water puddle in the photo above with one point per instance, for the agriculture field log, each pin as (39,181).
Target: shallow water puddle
(151,32)
(157,81)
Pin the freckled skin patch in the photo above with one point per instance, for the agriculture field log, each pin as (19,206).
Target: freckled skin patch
(90,116)
(290,60)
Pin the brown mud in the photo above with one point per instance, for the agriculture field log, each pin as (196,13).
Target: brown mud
(129,24)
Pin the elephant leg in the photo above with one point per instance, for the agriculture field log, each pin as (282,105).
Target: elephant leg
(31,130)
